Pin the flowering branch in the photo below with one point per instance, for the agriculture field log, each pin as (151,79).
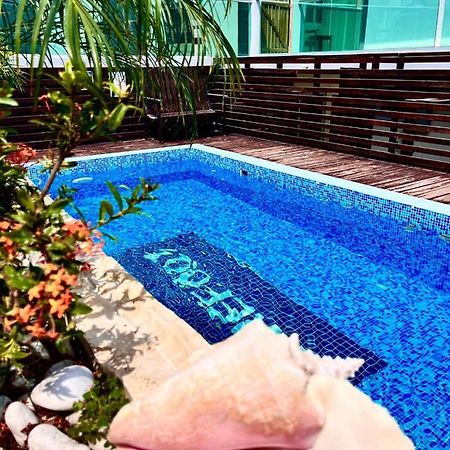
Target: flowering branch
(41,253)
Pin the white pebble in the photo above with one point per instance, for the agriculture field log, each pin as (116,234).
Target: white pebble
(74,418)
(63,388)
(40,350)
(46,437)
(17,417)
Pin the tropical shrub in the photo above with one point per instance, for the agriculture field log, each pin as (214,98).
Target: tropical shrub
(7,70)
(42,251)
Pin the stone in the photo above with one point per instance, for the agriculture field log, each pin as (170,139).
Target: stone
(46,437)
(17,417)
(63,388)
(59,365)
(18,381)
(4,402)
(40,350)
(74,418)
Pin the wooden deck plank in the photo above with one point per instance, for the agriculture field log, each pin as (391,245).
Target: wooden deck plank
(433,181)
(419,182)
(393,181)
(443,199)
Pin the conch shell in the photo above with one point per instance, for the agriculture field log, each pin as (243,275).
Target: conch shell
(258,389)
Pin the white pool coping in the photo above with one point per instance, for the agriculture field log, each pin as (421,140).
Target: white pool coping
(397,197)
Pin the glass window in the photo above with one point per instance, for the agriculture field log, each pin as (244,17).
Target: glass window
(331,25)
(400,23)
(334,25)
(243,28)
(446,26)
(7,24)
(180,30)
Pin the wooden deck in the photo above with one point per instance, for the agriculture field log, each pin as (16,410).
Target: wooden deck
(423,183)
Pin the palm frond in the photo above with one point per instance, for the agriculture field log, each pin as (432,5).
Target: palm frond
(128,36)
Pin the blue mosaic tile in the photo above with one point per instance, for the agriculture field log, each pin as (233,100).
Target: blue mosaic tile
(217,295)
(418,217)
(375,270)
(411,216)
(349,230)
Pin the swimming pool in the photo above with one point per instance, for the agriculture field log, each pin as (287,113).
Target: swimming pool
(233,238)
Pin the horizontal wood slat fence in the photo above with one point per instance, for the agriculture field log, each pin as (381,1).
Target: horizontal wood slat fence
(390,106)
(22,129)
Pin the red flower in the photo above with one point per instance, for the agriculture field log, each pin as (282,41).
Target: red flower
(25,314)
(49,268)
(36,291)
(23,154)
(77,228)
(44,100)
(63,277)
(7,324)
(58,306)
(54,289)
(36,330)
(52,334)
(8,245)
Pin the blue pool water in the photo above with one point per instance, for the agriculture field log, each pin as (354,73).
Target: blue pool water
(377,285)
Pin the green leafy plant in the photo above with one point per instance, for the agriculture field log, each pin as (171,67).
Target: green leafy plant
(98,408)
(42,252)
(12,75)
(73,119)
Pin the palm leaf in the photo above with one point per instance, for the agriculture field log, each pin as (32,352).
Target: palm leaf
(128,36)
